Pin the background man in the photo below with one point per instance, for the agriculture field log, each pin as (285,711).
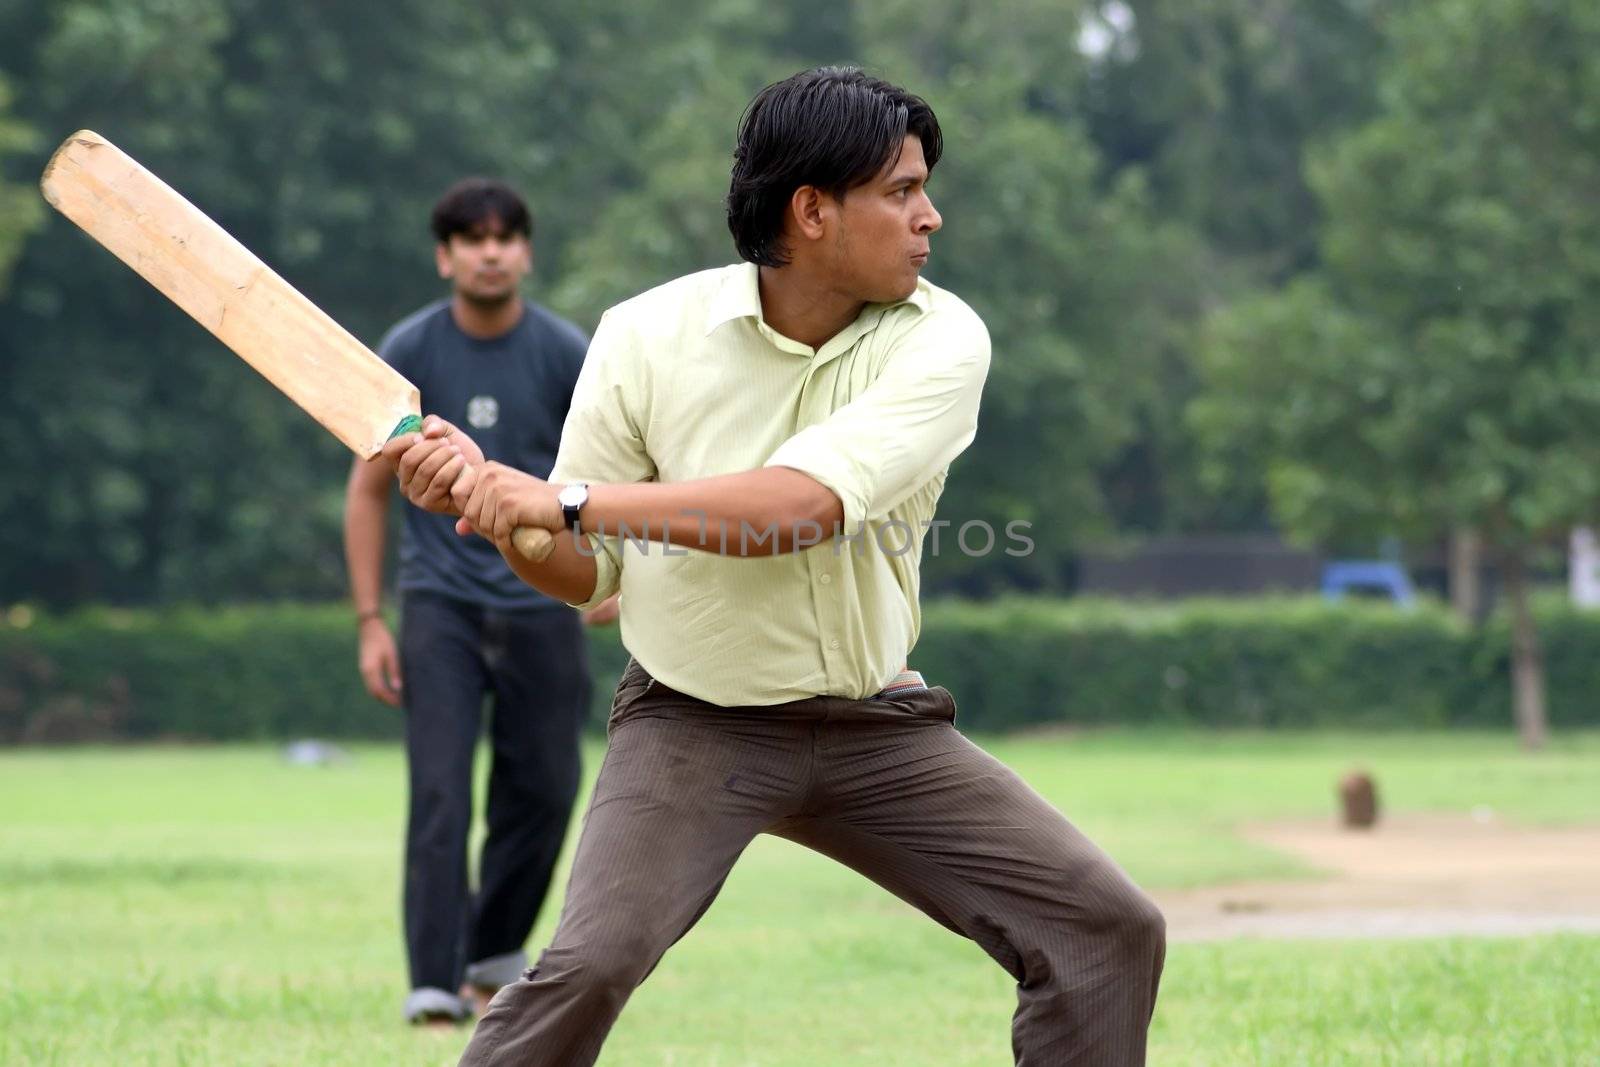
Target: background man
(505,367)
(819,384)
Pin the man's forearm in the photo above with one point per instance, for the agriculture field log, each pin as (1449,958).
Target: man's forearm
(365,517)
(753,513)
(568,574)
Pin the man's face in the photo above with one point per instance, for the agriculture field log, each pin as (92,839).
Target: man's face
(881,243)
(486,264)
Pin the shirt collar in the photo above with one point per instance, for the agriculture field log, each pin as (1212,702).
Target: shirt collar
(739,297)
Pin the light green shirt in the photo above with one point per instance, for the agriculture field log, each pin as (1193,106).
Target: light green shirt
(688,381)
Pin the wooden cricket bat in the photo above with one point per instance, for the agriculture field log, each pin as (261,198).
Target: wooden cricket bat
(197,265)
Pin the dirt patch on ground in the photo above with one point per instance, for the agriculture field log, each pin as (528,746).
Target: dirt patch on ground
(1411,876)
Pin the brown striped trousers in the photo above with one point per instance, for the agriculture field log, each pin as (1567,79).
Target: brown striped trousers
(886,786)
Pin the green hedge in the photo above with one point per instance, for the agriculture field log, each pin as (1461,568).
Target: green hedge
(268,672)
(1242,664)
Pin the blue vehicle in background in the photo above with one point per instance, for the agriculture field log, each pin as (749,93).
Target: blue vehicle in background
(1373,578)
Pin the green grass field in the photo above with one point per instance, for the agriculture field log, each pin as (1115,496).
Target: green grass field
(216,906)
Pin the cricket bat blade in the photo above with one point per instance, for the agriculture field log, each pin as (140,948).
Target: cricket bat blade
(222,285)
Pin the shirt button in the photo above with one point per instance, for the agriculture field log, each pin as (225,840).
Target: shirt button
(826,579)
(834,644)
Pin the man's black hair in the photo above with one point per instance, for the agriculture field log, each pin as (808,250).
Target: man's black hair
(472,202)
(831,127)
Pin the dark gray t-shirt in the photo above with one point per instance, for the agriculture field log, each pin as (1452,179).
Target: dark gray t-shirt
(510,394)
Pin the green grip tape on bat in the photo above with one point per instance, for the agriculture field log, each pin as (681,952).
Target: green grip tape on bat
(409,424)
(532,542)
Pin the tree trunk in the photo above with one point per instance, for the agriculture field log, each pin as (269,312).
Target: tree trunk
(1466,590)
(1527,660)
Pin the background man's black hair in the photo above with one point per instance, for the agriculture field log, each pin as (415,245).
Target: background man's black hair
(471,202)
(831,127)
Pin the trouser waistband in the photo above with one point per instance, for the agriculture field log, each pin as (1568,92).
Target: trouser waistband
(906,681)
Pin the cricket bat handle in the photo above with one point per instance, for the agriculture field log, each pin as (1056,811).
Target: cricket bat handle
(534,542)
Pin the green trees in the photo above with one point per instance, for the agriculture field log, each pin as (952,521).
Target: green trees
(1442,369)
(1353,240)
(20,210)
(1085,289)
(319,136)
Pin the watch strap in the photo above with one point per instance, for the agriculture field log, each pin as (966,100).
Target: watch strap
(570,513)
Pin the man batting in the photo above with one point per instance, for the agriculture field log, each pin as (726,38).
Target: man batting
(720,423)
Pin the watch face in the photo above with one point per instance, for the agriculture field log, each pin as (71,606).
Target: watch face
(573,496)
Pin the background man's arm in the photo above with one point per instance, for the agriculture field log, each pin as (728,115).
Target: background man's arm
(366,509)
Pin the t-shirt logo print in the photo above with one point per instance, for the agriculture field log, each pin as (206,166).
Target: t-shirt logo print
(483,412)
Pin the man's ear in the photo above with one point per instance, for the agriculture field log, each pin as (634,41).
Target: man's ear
(811,210)
(441,259)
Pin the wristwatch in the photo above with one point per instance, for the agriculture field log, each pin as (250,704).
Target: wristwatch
(572,498)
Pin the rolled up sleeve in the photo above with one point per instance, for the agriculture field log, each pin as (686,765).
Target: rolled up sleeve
(603,440)
(906,427)
(607,553)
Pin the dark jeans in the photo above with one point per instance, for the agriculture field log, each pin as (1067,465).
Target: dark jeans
(534,667)
(886,786)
